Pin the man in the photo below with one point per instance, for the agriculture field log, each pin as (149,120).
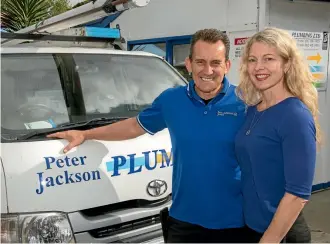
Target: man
(202,119)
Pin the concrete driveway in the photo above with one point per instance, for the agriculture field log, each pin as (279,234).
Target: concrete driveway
(317,214)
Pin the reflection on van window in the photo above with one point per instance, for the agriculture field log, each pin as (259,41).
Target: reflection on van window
(109,82)
(45,90)
(31,91)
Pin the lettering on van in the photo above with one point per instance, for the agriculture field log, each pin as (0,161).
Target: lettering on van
(66,177)
(133,164)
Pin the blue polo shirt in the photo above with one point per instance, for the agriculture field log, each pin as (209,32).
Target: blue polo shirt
(278,156)
(206,186)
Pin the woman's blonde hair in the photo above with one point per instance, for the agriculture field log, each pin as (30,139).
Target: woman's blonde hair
(298,80)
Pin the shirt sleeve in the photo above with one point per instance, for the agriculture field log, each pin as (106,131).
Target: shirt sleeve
(152,119)
(299,152)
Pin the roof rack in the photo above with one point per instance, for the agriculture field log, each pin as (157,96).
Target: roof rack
(83,34)
(47,37)
(77,37)
(93,10)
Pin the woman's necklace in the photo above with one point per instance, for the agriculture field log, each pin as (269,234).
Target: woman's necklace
(253,124)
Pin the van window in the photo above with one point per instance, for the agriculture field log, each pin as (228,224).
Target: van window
(40,91)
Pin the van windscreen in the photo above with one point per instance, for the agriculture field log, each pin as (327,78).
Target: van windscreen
(40,91)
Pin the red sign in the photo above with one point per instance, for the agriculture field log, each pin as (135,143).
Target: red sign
(241,41)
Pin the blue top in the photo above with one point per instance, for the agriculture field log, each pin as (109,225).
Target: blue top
(277,156)
(206,176)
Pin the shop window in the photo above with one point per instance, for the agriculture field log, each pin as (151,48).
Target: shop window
(155,48)
(180,52)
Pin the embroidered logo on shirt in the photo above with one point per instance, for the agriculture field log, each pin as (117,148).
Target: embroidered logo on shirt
(220,113)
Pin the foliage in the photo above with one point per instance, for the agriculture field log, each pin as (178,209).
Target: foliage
(81,3)
(18,14)
(58,7)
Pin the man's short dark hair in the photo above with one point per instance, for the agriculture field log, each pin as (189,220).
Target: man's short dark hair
(210,36)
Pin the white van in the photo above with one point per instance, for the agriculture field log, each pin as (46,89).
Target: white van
(100,191)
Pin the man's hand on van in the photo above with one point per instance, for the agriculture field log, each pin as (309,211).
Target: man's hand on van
(74,137)
(123,130)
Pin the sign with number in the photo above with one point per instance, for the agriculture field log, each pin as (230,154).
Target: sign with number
(315,47)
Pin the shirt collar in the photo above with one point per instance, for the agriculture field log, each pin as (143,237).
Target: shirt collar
(193,94)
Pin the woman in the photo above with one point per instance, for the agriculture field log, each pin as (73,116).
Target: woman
(276,147)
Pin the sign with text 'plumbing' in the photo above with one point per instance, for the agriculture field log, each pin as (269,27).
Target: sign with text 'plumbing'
(315,47)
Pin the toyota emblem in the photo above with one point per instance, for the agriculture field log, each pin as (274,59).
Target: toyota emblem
(156,188)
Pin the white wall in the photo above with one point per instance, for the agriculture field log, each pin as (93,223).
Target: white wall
(163,18)
(301,16)
(308,17)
